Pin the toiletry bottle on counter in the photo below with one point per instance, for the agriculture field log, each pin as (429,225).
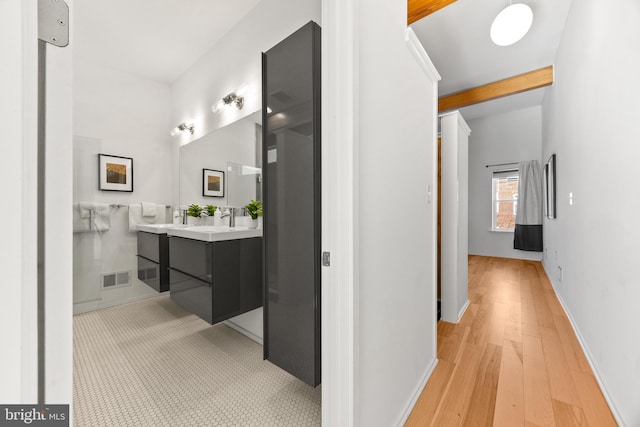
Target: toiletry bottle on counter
(176,216)
(217,217)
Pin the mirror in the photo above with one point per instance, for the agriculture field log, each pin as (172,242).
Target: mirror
(550,186)
(222,168)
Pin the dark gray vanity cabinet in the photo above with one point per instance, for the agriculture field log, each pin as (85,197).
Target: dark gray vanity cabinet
(216,280)
(291,174)
(153,260)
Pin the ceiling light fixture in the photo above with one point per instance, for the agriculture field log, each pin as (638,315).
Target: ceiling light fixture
(234,98)
(182,127)
(511,24)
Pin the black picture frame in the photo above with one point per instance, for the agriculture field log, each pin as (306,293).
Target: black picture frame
(550,187)
(115,173)
(212,183)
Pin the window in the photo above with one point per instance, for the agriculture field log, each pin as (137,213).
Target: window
(504,186)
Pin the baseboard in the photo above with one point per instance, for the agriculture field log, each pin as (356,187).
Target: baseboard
(243,331)
(586,351)
(88,306)
(462,310)
(417,393)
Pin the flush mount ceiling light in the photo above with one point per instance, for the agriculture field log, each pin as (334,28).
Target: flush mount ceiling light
(234,98)
(511,24)
(182,127)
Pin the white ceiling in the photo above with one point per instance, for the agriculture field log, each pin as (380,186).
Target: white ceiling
(457,41)
(156,39)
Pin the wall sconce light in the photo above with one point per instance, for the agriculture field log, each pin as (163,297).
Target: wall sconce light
(234,98)
(181,128)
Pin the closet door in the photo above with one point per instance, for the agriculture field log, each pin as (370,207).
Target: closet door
(291,170)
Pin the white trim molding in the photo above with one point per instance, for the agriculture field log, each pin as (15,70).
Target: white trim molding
(587,353)
(417,393)
(462,311)
(339,193)
(417,50)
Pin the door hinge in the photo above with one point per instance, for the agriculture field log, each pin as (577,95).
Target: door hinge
(326,259)
(53,22)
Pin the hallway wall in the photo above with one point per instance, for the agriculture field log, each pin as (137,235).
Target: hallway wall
(590,118)
(509,137)
(395,267)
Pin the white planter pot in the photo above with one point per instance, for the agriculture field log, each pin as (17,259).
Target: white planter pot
(192,220)
(252,223)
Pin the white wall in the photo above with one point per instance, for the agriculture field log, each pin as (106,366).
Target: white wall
(395,255)
(510,137)
(122,115)
(590,121)
(234,60)
(455,201)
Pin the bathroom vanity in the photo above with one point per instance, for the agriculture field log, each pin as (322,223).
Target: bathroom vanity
(215,272)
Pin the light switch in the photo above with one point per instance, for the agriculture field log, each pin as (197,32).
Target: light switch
(428,194)
(571,199)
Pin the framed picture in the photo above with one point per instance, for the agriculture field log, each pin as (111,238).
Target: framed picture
(212,183)
(550,184)
(116,173)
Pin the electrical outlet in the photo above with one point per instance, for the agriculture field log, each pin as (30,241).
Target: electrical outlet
(559,274)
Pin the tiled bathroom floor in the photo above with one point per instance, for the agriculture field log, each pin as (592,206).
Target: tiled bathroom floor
(150,363)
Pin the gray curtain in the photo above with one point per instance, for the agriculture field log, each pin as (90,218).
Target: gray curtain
(528,232)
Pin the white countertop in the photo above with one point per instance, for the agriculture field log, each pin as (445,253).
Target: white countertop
(157,228)
(205,233)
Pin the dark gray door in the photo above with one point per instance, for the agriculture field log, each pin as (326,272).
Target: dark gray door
(291,170)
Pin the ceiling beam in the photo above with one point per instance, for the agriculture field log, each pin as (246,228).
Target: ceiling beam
(510,86)
(418,9)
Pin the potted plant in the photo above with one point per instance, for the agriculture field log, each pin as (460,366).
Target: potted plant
(208,213)
(194,213)
(254,208)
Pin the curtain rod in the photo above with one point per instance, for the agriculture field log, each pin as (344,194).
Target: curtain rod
(502,164)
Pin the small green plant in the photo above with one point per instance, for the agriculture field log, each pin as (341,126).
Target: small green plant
(254,208)
(194,211)
(210,210)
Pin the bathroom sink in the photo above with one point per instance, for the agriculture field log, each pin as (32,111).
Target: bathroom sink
(214,233)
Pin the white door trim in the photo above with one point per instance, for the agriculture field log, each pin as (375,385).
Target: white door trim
(339,193)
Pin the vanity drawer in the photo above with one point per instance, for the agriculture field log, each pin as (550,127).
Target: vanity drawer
(149,245)
(192,294)
(149,272)
(153,274)
(192,257)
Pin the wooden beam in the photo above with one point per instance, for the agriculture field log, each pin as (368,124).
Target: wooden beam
(418,9)
(510,86)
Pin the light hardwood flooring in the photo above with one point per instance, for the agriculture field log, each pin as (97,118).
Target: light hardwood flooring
(513,360)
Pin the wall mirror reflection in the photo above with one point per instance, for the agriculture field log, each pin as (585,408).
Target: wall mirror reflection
(235,149)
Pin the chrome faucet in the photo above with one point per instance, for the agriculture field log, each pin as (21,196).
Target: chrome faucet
(184,216)
(232,217)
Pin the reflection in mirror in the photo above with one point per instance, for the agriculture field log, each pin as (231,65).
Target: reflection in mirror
(238,143)
(244,183)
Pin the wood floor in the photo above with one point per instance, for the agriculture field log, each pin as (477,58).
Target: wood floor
(513,360)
